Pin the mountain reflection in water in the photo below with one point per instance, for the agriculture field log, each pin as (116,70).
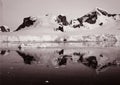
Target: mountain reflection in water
(60,66)
(97,61)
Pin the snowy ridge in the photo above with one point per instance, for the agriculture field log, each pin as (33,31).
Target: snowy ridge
(94,19)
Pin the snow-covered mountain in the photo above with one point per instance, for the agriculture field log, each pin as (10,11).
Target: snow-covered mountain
(97,25)
(47,20)
(95,18)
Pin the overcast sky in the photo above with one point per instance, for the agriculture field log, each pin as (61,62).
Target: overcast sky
(15,10)
(1,12)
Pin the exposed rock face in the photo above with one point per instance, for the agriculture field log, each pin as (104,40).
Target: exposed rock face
(27,22)
(4,29)
(61,19)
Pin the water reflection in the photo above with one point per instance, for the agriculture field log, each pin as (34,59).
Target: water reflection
(97,59)
(28,59)
(60,65)
(4,52)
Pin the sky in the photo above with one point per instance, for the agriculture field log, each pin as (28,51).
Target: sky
(12,12)
(1,20)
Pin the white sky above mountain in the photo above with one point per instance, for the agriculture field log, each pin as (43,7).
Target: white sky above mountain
(15,10)
(1,5)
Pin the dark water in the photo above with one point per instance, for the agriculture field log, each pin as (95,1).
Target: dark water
(60,66)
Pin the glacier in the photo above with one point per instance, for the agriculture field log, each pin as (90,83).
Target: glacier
(65,38)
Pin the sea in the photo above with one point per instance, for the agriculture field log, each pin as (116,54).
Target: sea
(81,63)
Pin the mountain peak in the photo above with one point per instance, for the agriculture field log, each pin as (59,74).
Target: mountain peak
(101,11)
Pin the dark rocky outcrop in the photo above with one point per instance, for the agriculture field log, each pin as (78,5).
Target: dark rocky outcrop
(61,19)
(4,29)
(27,22)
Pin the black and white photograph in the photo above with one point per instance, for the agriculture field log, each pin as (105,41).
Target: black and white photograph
(59,42)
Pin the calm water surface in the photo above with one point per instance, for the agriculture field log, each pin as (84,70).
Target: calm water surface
(60,66)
